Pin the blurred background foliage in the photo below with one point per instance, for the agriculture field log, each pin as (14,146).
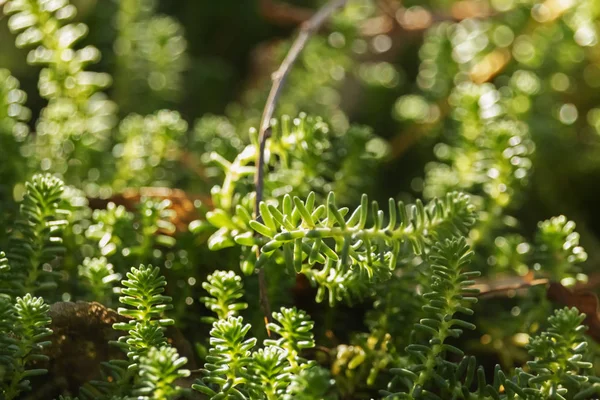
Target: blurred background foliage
(385,65)
(497,98)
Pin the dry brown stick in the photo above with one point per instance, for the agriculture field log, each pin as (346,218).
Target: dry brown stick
(307,29)
(490,291)
(501,286)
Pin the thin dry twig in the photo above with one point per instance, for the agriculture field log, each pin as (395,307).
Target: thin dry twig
(501,286)
(581,296)
(488,290)
(307,29)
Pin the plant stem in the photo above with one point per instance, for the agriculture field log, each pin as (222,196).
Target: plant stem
(307,29)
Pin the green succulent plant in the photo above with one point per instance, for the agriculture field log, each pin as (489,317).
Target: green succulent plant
(375,234)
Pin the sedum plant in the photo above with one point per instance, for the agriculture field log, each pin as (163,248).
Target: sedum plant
(559,364)
(13,130)
(234,368)
(225,288)
(24,333)
(258,258)
(36,241)
(152,365)
(77,113)
(159,370)
(98,275)
(150,50)
(298,231)
(142,293)
(447,297)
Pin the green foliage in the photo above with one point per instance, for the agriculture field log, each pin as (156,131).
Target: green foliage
(126,238)
(36,240)
(299,229)
(111,227)
(232,367)
(13,130)
(448,294)
(492,116)
(145,306)
(313,382)
(13,112)
(159,370)
(227,360)
(151,56)
(216,134)
(558,247)
(294,329)
(23,332)
(269,372)
(491,157)
(558,366)
(226,289)
(148,149)
(303,156)
(98,275)
(312,85)
(152,365)
(78,118)
(366,359)
(45,23)
(155,225)
(7,314)
(555,373)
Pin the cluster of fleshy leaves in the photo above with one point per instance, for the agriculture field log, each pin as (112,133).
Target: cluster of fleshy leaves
(302,155)
(353,252)
(152,365)
(234,368)
(344,253)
